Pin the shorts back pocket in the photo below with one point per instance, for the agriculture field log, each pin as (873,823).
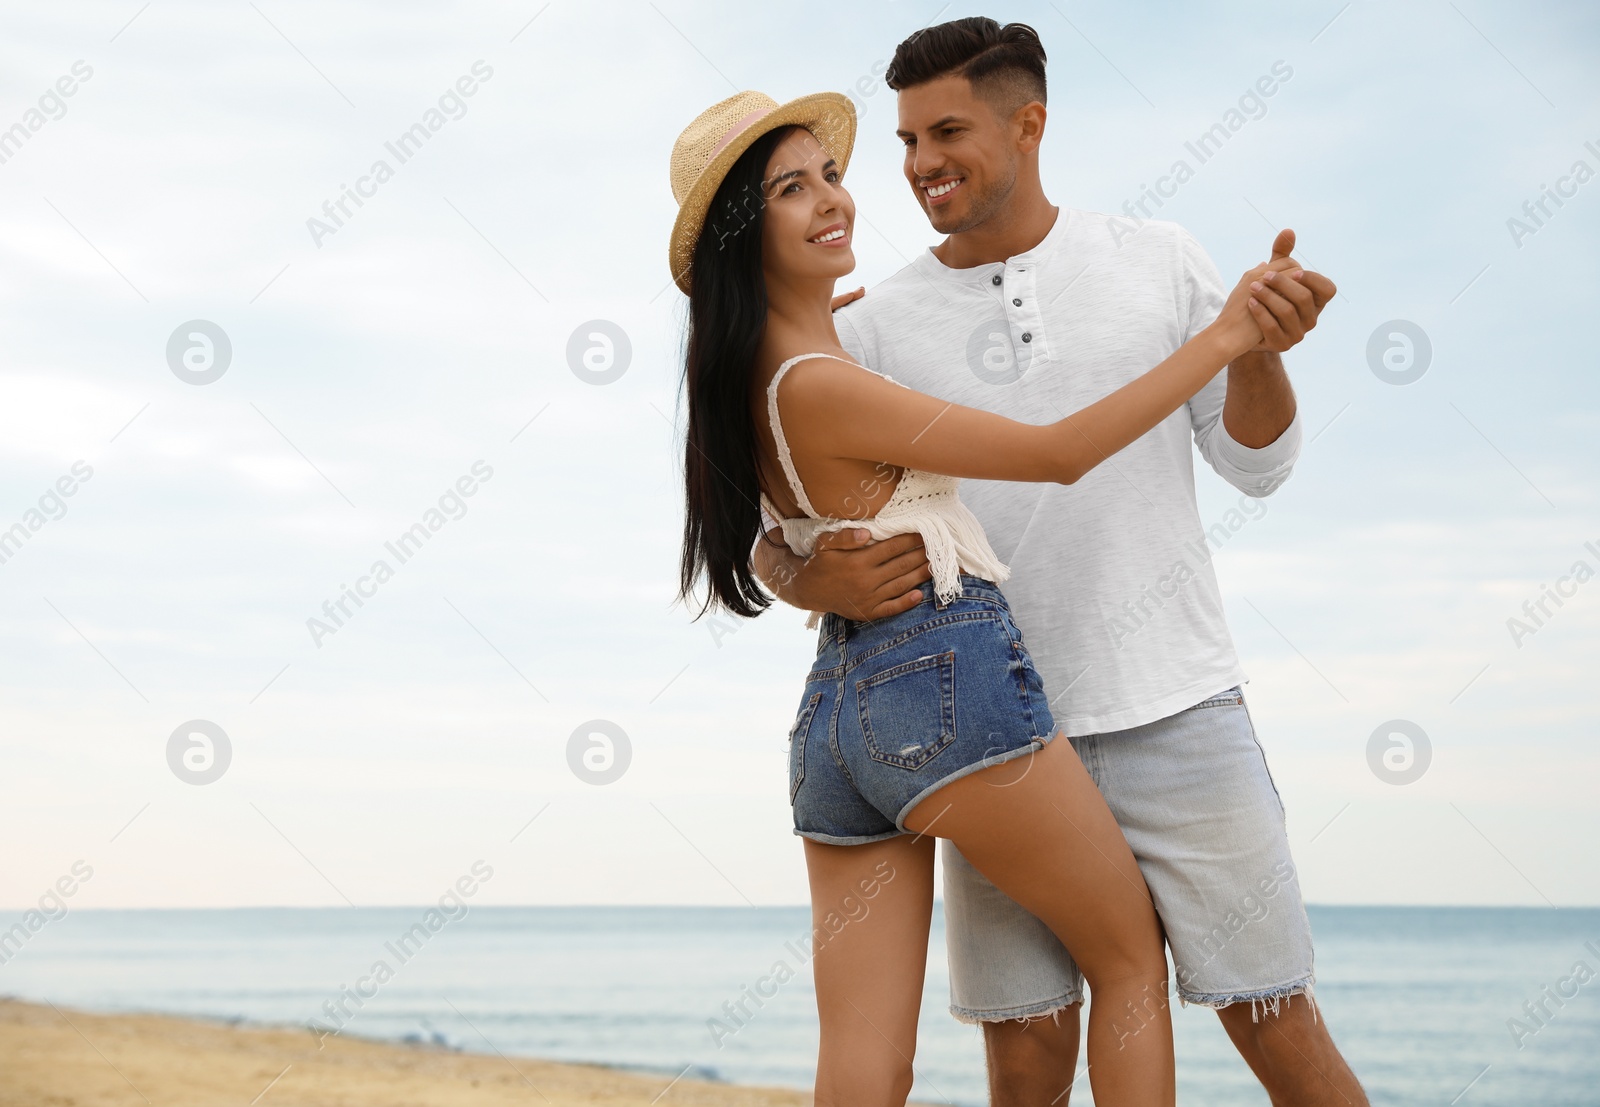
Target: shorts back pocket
(908,711)
(797,744)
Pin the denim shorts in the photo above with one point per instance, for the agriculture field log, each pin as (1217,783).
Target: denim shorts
(1201,813)
(896,708)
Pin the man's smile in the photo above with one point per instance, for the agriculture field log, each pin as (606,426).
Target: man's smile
(938,191)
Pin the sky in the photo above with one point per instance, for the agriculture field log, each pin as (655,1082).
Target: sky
(251,395)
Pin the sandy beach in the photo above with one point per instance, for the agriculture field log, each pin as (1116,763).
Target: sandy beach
(60,1057)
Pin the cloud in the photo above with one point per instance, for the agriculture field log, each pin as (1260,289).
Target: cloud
(431,331)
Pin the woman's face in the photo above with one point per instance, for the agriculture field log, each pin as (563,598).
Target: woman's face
(809,218)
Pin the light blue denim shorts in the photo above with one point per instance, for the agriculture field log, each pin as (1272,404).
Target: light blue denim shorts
(1193,795)
(896,708)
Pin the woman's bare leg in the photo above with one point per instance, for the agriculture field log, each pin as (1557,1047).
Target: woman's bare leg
(1040,830)
(870,910)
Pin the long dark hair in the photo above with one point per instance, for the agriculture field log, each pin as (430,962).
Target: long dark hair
(727,315)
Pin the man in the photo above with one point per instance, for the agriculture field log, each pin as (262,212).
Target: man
(1034,312)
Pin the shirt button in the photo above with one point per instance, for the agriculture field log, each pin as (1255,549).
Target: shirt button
(997,278)
(1017,302)
(1026,337)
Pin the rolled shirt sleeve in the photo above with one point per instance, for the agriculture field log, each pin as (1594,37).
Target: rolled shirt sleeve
(1255,472)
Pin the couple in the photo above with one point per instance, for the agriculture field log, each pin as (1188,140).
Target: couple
(1099,788)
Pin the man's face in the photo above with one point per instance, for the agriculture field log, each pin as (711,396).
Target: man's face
(961,158)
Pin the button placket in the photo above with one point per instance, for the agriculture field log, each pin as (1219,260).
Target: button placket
(1027,326)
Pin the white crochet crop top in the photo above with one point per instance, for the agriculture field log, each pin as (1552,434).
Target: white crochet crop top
(923,502)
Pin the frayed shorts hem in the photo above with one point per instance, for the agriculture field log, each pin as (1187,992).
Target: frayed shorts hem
(1034,745)
(848,840)
(1266,999)
(1051,1007)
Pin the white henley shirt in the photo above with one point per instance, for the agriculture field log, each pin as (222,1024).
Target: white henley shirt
(1111,577)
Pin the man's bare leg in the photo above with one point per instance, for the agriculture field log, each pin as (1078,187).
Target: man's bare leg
(1293,1055)
(1032,1062)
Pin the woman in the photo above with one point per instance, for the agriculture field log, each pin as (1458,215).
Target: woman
(933,722)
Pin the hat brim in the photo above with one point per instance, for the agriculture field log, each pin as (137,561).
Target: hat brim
(829,116)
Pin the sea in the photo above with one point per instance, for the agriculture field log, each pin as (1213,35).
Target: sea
(1438,1006)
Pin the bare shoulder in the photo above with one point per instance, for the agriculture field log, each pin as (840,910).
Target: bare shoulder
(826,381)
(843,409)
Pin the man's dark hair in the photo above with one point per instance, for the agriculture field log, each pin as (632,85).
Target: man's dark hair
(1004,64)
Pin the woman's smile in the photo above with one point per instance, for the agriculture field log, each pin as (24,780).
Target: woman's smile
(833,235)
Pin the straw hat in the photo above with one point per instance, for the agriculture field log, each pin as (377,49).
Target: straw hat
(709,146)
